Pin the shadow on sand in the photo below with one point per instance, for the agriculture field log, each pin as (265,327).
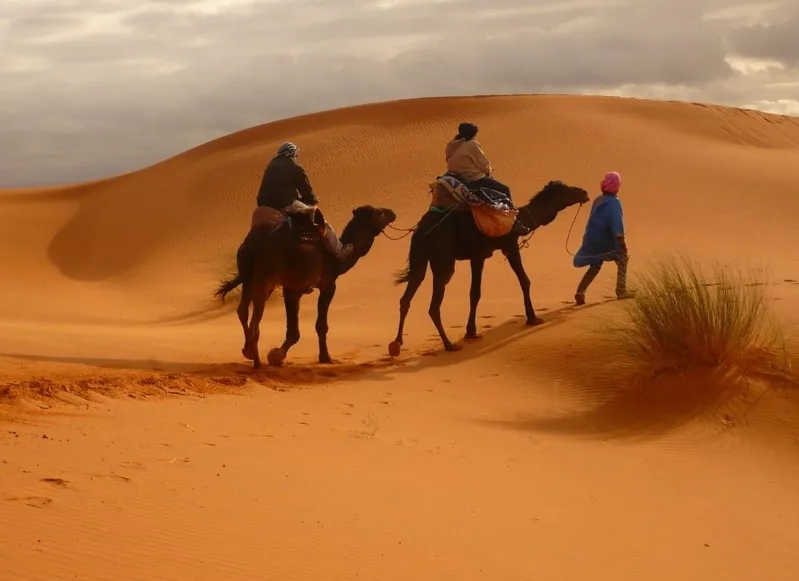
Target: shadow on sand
(235,373)
(383,368)
(607,395)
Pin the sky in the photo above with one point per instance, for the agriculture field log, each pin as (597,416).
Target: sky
(93,88)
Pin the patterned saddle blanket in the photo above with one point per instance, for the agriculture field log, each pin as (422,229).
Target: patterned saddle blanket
(493,212)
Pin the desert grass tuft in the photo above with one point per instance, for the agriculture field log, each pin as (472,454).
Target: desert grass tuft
(685,316)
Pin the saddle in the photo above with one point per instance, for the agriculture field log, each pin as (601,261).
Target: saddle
(310,223)
(492,219)
(441,197)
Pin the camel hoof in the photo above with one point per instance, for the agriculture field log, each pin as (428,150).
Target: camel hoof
(249,353)
(276,356)
(256,364)
(471,335)
(394,348)
(453,347)
(534,322)
(326,360)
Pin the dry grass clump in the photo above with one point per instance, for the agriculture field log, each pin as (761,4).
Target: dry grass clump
(683,317)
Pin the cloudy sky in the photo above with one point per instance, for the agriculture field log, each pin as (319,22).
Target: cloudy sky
(90,88)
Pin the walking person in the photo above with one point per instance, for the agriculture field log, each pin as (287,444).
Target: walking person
(604,240)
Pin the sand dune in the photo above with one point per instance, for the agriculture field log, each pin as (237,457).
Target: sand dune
(528,455)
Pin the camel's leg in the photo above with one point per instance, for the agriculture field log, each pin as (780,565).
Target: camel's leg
(291,300)
(441,277)
(514,257)
(326,295)
(243,312)
(414,282)
(474,296)
(260,294)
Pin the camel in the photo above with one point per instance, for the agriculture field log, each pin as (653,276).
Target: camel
(288,252)
(442,238)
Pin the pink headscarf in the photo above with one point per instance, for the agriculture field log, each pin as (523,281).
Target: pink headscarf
(611,183)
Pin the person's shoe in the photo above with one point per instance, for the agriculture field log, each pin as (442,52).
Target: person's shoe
(579,298)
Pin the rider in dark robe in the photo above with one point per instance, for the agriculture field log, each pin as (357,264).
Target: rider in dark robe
(285,186)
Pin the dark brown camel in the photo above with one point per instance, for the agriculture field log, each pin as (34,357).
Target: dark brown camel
(442,238)
(290,254)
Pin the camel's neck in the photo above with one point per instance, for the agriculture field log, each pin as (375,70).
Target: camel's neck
(534,215)
(359,250)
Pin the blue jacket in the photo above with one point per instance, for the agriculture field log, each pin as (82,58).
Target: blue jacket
(605,223)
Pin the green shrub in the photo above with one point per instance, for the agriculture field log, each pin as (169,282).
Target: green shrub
(681,317)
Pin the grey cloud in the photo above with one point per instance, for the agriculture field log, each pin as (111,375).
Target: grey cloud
(164,77)
(778,41)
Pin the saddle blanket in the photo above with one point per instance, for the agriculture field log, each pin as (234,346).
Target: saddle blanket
(474,197)
(493,212)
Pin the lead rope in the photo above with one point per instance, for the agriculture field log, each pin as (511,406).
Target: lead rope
(407,231)
(604,254)
(568,236)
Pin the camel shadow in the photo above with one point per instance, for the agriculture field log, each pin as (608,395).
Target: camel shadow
(223,373)
(491,340)
(306,373)
(214,310)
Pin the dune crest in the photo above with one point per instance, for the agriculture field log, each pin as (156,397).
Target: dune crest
(529,454)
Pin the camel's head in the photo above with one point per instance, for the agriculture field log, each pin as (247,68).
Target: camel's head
(370,220)
(567,195)
(367,223)
(545,205)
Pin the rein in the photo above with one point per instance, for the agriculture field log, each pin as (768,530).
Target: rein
(413,228)
(580,207)
(407,231)
(603,255)
(523,242)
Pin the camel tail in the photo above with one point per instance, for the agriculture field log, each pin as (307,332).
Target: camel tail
(403,276)
(416,266)
(227,286)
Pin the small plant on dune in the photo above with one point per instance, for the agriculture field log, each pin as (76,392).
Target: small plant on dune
(681,317)
(371,426)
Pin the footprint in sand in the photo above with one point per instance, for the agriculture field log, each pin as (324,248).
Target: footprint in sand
(33,501)
(112,476)
(137,465)
(60,482)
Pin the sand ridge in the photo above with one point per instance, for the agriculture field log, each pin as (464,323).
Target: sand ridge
(136,443)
